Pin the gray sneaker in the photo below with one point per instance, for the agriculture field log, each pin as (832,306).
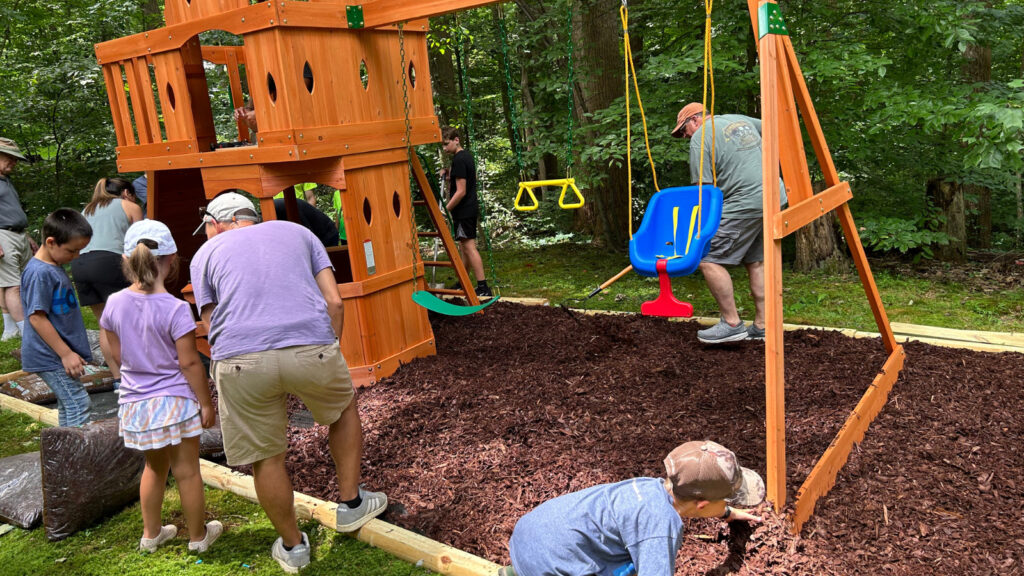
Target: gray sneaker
(755,333)
(352,519)
(291,561)
(722,332)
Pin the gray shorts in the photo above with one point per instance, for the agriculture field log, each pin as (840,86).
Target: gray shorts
(16,255)
(738,241)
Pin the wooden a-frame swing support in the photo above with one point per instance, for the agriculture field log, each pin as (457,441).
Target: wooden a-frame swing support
(784,94)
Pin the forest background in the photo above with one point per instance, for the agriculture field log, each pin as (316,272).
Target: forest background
(922,104)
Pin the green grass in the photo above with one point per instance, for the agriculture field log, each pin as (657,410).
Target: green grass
(564,272)
(111,547)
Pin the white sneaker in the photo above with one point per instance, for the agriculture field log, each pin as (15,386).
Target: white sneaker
(213,531)
(151,544)
(9,336)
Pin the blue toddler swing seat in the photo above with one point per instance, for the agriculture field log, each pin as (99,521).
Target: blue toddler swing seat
(663,248)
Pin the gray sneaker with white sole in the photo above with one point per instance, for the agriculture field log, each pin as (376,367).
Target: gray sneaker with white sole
(291,561)
(722,332)
(352,519)
(755,333)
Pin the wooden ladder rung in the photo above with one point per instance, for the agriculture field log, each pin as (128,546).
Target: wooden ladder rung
(441,263)
(419,202)
(447,292)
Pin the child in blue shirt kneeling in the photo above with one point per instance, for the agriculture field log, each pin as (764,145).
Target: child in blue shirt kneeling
(604,528)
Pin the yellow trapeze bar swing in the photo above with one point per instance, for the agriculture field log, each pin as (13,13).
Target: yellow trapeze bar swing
(567,184)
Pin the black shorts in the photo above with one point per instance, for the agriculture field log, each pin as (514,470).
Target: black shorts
(465,228)
(97,275)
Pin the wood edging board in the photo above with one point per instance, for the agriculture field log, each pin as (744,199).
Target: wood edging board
(977,340)
(402,543)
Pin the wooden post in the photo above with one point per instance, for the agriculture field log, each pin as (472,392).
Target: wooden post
(775,396)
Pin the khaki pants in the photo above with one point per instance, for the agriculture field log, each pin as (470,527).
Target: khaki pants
(253,392)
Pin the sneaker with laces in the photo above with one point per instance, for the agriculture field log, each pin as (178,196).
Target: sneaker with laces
(484,292)
(722,332)
(755,333)
(213,531)
(351,519)
(151,544)
(291,561)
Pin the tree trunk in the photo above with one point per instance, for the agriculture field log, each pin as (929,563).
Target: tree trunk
(977,68)
(600,82)
(949,198)
(442,70)
(817,244)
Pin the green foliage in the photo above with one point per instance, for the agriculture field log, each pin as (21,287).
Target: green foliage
(899,235)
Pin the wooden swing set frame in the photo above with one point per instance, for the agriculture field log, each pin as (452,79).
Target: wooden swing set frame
(352,136)
(784,100)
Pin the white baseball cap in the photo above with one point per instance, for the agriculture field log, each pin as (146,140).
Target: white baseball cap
(224,208)
(154,231)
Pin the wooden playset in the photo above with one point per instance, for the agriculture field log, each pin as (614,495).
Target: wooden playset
(326,81)
(341,94)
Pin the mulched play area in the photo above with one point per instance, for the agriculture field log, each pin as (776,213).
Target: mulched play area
(522,404)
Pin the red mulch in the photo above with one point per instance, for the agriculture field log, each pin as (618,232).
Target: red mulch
(522,404)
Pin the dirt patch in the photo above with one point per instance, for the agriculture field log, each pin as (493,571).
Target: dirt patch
(523,404)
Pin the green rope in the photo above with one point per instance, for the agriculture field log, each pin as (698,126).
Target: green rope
(572,75)
(516,144)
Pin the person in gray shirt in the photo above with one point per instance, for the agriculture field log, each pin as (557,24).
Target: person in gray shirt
(15,248)
(737,163)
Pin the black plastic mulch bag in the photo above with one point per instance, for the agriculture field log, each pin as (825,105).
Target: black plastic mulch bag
(21,490)
(87,474)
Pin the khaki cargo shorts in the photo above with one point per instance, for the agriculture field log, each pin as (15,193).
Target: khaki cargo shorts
(253,393)
(16,256)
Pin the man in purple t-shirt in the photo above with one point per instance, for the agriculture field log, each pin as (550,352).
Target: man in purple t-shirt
(268,294)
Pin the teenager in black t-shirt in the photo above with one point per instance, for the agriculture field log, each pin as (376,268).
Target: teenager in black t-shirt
(463,205)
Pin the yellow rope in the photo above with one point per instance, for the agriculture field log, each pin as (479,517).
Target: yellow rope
(628,65)
(708,72)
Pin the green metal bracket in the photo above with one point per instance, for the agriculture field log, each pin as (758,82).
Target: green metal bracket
(355,16)
(769,20)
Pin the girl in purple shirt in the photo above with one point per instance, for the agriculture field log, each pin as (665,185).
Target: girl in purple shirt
(164,398)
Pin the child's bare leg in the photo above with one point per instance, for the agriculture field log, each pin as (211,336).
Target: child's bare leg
(151,491)
(184,460)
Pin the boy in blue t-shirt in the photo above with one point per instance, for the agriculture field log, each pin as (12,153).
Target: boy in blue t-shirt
(55,344)
(634,526)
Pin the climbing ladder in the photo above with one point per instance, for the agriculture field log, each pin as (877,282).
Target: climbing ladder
(441,231)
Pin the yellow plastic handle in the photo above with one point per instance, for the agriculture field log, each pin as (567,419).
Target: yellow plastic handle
(525,187)
(570,183)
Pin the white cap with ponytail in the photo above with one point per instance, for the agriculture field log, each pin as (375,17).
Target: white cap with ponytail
(154,231)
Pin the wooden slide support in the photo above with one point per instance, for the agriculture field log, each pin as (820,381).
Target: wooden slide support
(400,542)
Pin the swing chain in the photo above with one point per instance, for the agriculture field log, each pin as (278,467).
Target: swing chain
(511,95)
(472,142)
(572,76)
(414,243)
